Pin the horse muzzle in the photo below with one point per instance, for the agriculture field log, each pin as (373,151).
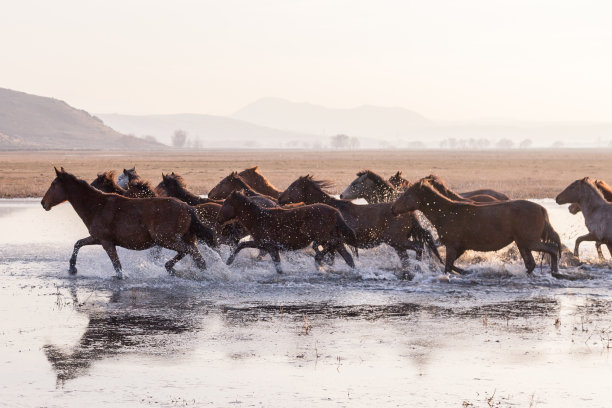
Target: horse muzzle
(46,207)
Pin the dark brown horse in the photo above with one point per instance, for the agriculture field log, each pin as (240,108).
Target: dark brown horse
(374,224)
(113,220)
(574,208)
(483,227)
(276,229)
(105,182)
(173,185)
(399,182)
(253,178)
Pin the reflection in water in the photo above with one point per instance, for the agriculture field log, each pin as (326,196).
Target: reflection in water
(118,328)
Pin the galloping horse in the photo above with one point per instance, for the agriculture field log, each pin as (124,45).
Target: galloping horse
(173,185)
(446,191)
(113,220)
(586,195)
(253,178)
(374,189)
(374,224)
(574,208)
(483,227)
(275,229)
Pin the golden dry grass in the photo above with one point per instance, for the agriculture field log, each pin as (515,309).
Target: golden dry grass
(520,174)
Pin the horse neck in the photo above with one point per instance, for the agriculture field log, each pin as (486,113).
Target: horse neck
(84,199)
(435,206)
(382,193)
(590,200)
(314,195)
(249,214)
(187,196)
(262,187)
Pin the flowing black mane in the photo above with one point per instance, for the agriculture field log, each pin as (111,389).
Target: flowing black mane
(321,185)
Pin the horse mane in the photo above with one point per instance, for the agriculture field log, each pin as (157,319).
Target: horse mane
(141,186)
(108,175)
(180,181)
(439,184)
(604,188)
(321,185)
(82,183)
(593,184)
(376,178)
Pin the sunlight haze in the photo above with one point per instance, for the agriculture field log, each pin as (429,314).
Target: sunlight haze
(447,60)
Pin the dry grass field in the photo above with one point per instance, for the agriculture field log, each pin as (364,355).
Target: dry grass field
(520,174)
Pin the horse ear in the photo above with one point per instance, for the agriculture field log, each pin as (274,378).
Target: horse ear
(57,172)
(173,173)
(62,169)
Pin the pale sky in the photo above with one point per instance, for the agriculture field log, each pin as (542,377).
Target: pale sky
(448,60)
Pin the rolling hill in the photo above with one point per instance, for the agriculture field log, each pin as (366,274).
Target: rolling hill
(37,123)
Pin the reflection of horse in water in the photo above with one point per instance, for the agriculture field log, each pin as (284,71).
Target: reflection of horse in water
(119,328)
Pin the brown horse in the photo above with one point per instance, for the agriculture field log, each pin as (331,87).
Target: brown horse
(574,208)
(446,191)
(374,189)
(275,229)
(253,178)
(173,185)
(105,182)
(371,187)
(374,224)
(113,220)
(399,182)
(483,227)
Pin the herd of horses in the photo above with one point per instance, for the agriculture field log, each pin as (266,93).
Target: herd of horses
(244,210)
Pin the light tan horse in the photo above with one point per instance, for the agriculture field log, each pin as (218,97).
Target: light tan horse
(483,227)
(585,195)
(574,208)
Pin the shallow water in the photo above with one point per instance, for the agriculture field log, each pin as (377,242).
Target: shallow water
(244,336)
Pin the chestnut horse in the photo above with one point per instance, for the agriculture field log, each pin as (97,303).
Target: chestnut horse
(399,182)
(483,227)
(173,185)
(586,195)
(446,191)
(113,220)
(574,208)
(275,229)
(253,178)
(374,224)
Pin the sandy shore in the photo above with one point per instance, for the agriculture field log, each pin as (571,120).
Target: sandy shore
(520,174)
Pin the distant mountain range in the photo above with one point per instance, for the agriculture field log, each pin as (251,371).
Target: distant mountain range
(36,122)
(363,121)
(208,130)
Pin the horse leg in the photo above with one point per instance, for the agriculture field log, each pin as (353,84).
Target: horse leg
(240,247)
(274,254)
(170,264)
(262,254)
(156,252)
(609,246)
(599,252)
(452,254)
(112,254)
(328,257)
(527,256)
(345,255)
(550,249)
(586,237)
(80,243)
(403,256)
(197,257)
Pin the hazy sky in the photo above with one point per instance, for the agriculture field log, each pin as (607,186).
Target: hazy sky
(450,60)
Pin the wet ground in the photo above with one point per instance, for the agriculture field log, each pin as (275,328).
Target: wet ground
(243,336)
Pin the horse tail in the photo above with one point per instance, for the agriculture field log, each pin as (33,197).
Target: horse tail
(549,235)
(423,236)
(200,230)
(347,233)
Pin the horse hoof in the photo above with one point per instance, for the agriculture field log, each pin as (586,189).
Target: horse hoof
(119,277)
(72,270)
